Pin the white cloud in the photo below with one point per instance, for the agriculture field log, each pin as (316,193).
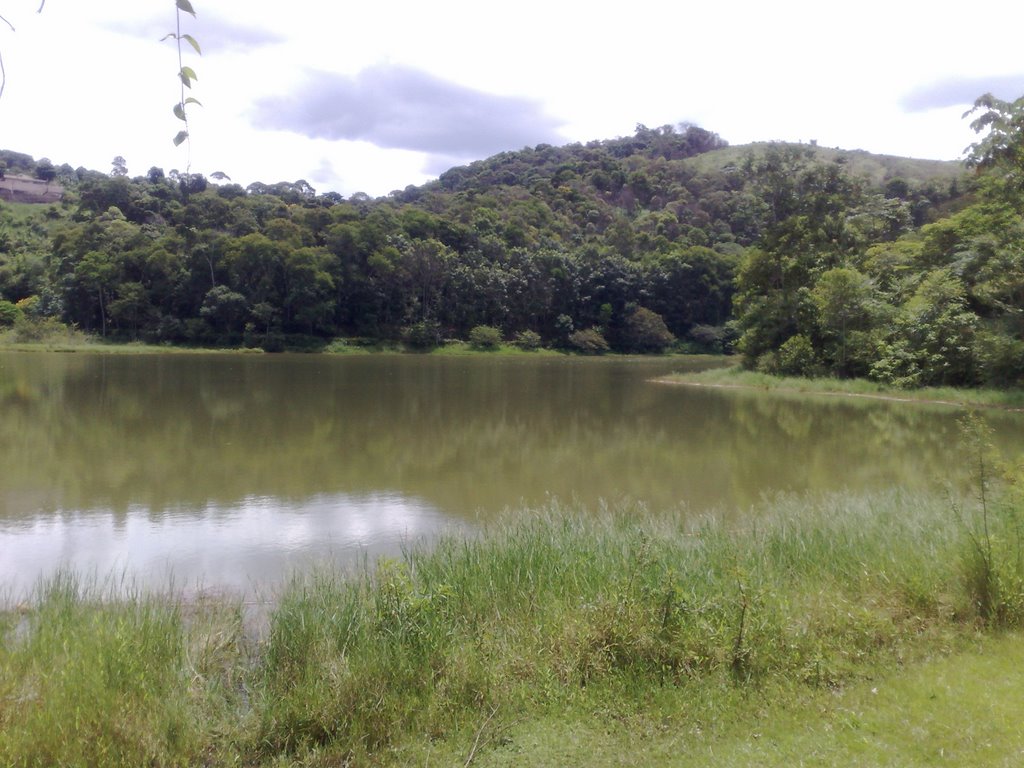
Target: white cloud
(87,82)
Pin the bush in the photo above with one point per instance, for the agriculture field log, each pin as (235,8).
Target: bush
(485,337)
(45,329)
(709,338)
(589,342)
(796,357)
(423,335)
(1001,359)
(527,340)
(645,331)
(9,314)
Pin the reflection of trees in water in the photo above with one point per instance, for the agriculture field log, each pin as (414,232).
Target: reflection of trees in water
(824,442)
(173,432)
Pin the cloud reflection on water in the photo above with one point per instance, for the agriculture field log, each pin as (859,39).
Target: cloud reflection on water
(246,547)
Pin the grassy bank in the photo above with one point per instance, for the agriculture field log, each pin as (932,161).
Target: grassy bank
(554,622)
(734,376)
(63,339)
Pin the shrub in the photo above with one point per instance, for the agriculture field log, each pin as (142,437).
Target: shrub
(44,329)
(485,337)
(588,341)
(645,331)
(796,357)
(527,340)
(709,338)
(422,335)
(1001,359)
(9,314)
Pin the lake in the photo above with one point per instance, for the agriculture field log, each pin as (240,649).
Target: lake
(232,471)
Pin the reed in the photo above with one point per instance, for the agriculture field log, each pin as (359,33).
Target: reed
(551,609)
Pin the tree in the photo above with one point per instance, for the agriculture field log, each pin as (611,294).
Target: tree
(589,341)
(843,299)
(485,337)
(224,309)
(45,170)
(645,331)
(1003,146)
(931,341)
(131,306)
(96,273)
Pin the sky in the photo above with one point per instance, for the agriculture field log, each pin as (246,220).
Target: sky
(377,95)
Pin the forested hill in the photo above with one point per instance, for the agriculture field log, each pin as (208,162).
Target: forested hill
(637,243)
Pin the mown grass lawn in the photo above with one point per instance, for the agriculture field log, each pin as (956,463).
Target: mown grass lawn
(963,709)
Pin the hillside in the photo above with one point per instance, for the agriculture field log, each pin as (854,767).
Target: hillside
(877,169)
(666,237)
(665,184)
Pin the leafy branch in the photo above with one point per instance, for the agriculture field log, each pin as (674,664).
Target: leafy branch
(186,75)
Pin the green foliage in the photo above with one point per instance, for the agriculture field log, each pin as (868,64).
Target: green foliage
(847,306)
(186,75)
(932,339)
(527,340)
(422,336)
(1002,148)
(1000,359)
(45,170)
(645,331)
(710,339)
(45,330)
(485,337)
(993,558)
(797,357)
(589,341)
(97,683)
(758,244)
(547,611)
(9,313)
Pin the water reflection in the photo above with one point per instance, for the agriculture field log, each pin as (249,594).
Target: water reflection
(238,468)
(241,547)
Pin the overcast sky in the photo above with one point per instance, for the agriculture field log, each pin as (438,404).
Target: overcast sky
(375,95)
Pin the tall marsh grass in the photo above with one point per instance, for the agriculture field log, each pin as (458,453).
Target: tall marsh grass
(529,616)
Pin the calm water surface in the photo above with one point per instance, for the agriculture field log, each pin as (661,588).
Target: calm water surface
(233,471)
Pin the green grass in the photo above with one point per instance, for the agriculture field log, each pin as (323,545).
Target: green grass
(59,338)
(860,164)
(464,348)
(556,633)
(961,709)
(735,376)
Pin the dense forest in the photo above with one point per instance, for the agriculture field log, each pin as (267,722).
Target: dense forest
(801,259)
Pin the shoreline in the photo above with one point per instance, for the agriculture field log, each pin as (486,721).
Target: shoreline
(455,349)
(541,622)
(1010,400)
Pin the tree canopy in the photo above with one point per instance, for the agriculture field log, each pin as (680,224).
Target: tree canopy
(806,260)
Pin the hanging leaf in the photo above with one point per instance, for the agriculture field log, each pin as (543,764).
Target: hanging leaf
(185,6)
(191,100)
(169,36)
(187,75)
(180,138)
(179,111)
(193,42)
